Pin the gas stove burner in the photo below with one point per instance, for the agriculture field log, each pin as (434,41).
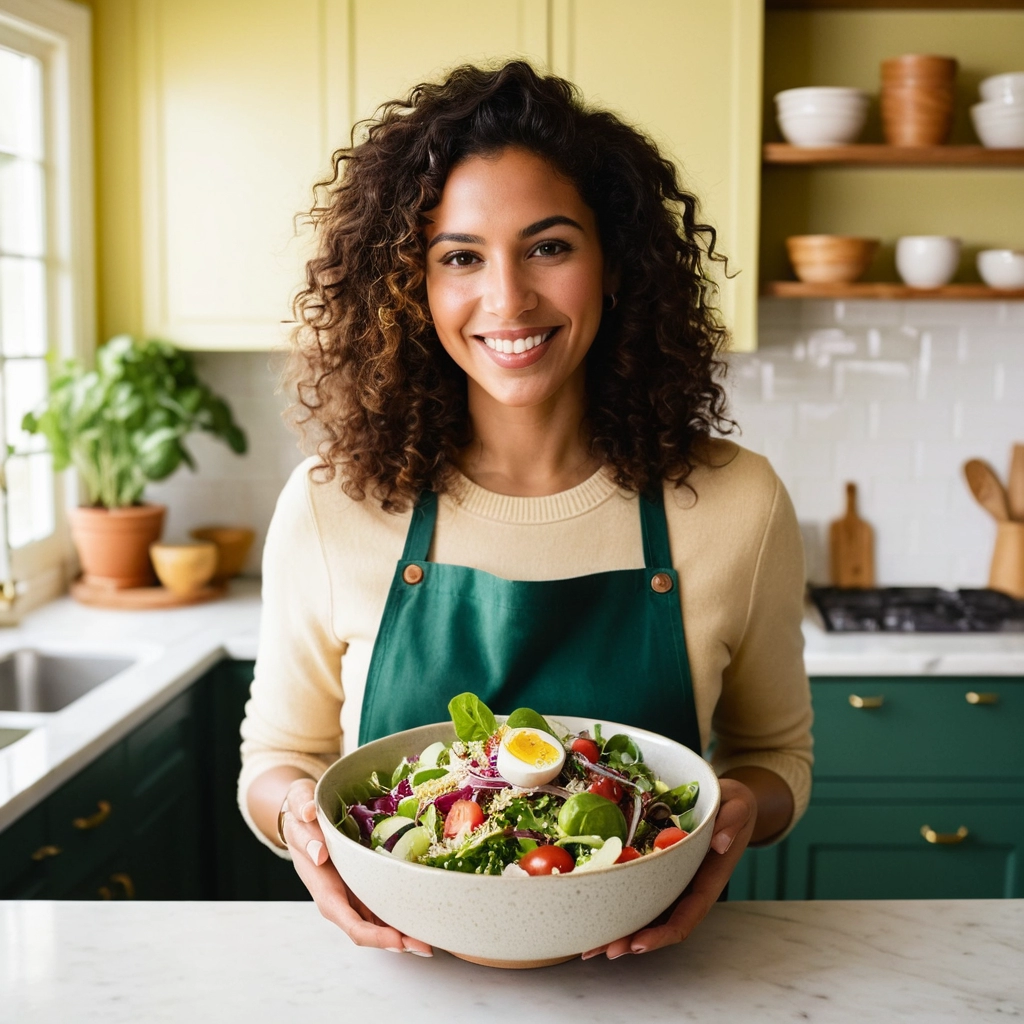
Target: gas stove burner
(917,610)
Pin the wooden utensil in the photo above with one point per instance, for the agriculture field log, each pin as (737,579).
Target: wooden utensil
(987,488)
(852,547)
(1015,484)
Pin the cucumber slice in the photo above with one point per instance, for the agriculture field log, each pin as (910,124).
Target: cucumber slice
(413,844)
(426,774)
(428,759)
(408,807)
(385,829)
(603,857)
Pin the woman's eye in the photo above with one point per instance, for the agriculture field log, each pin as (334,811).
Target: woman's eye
(460,259)
(553,248)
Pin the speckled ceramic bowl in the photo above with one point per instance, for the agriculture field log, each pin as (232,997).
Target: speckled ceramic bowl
(516,922)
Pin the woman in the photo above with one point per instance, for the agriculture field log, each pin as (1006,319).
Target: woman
(505,329)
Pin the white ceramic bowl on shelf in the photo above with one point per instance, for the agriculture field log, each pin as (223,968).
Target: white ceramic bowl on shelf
(1006,88)
(927,261)
(821,116)
(999,125)
(1002,268)
(507,921)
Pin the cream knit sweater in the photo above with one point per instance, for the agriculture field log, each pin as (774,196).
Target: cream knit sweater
(329,561)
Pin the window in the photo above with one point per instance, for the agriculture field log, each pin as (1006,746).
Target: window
(46,265)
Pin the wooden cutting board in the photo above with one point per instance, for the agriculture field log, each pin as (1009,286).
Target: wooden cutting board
(852,547)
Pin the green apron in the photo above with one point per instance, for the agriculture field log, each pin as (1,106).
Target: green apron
(607,646)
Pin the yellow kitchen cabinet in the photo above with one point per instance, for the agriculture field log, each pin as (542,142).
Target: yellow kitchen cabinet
(215,119)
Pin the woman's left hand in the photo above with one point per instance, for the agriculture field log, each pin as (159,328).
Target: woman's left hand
(734,825)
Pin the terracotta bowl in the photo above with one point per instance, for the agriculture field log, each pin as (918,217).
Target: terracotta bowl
(546,919)
(233,544)
(830,259)
(184,568)
(919,67)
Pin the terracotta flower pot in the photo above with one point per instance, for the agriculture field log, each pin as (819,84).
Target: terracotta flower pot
(113,544)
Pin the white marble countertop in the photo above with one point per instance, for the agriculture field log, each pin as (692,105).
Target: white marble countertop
(830,962)
(175,647)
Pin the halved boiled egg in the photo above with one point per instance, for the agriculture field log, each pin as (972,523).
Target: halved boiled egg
(529,757)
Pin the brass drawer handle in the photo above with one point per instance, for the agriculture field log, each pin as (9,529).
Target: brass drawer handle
(94,820)
(944,838)
(981,698)
(866,702)
(46,851)
(122,879)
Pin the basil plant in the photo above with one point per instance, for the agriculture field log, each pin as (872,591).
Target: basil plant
(122,424)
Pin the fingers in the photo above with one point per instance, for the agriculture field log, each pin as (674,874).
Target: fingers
(737,812)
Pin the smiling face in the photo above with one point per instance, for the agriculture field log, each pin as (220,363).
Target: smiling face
(515,279)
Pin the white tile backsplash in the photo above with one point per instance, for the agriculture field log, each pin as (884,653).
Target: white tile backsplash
(894,396)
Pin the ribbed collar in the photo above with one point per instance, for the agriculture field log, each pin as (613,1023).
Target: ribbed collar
(549,508)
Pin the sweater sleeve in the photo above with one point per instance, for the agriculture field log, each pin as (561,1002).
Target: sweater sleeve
(764,715)
(293,713)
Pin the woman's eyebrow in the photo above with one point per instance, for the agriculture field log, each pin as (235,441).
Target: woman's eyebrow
(447,236)
(549,222)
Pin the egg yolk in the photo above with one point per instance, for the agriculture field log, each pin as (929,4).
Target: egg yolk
(531,749)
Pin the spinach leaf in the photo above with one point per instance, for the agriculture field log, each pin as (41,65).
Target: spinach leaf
(471,717)
(527,718)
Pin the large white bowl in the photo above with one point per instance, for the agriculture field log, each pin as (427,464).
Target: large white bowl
(507,921)
(1002,268)
(1007,88)
(999,125)
(821,116)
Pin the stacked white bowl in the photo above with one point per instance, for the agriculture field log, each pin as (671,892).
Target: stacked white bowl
(999,118)
(821,115)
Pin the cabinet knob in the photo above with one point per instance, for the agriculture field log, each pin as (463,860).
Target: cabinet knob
(94,820)
(46,851)
(981,698)
(866,702)
(944,838)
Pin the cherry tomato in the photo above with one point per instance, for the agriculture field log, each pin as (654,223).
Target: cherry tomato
(546,860)
(608,788)
(463,813)
(586,748)
(669,837)
(628,853)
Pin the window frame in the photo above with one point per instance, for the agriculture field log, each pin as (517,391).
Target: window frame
(59,34)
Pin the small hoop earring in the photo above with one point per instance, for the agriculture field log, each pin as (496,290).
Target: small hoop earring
(609,306)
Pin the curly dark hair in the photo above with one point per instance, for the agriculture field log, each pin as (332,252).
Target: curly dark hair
(386,404)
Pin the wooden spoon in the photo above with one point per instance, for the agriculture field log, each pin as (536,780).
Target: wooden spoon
(987,488)
(1015,484)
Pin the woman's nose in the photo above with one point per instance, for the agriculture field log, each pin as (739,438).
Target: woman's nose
(508,291)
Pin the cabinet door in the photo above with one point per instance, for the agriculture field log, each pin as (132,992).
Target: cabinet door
(24,858)
(689,73)
(877,851)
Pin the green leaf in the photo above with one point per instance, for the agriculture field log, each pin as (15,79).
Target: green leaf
(471,717)
(527,718)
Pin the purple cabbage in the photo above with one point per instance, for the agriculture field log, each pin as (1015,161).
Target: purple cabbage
(364,818)
(444,802)
(388,803)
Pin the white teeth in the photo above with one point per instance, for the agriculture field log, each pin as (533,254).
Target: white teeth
(517,346)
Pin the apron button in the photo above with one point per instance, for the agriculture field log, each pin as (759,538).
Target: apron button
(412,574)
(661,583)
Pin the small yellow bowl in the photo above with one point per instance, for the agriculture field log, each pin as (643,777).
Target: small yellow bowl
(233,544)
(184,568)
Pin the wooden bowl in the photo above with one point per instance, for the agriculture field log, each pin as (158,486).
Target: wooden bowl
(184,568)
(830,259)
(919,67)
(233,544)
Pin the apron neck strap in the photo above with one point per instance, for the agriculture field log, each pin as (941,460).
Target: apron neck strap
(654,529)
(421,528)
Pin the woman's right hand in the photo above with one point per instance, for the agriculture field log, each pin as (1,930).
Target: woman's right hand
(318,874)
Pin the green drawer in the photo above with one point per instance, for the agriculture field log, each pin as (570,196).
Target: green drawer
(923,728)
(23,875)
(877,851)
(87,818)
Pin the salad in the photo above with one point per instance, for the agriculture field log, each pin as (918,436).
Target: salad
(522,798)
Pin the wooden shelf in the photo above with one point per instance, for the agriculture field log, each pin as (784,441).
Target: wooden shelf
(884,290)
(893,156)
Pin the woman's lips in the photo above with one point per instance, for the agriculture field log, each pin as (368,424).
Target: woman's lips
(513,353)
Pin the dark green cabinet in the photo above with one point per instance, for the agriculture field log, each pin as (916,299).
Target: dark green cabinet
(918,794)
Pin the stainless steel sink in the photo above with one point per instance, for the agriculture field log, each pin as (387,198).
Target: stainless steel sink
(34,681)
